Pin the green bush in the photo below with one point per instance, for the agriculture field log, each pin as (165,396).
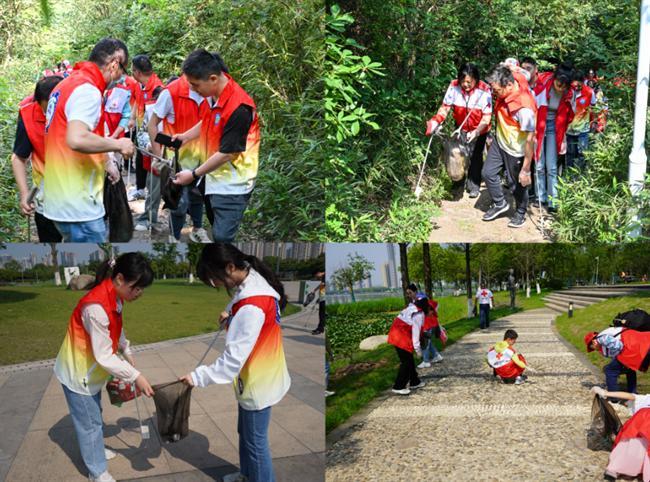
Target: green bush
(365,307)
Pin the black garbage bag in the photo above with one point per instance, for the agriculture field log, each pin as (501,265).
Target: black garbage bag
(172,402)
(309,299)
(605,424)
(118,213)
(636,319)
(171,193)
(458,155)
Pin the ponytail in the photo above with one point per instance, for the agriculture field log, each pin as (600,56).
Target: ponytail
(270,277)
(133,266)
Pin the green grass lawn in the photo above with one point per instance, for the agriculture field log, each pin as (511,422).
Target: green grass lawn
(33,319)
(356,389)
(597,317)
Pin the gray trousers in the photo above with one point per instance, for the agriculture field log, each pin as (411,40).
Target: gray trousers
(497,161)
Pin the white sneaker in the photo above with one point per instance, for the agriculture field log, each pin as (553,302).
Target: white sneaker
(437,359)
(199,236)
(234,477)
(141,227)
(136,195)
(403,391)
(419,385)
(424,364)
(519,381)
(110,455)
(329,393)
(105,477)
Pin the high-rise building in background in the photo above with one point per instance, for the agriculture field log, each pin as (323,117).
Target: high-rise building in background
(97,256)
(386,275)
(392,262)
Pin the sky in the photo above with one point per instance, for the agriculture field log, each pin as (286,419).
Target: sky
(82,250)
(336,257)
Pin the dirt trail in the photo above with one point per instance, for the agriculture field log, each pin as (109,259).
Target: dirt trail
(460,222)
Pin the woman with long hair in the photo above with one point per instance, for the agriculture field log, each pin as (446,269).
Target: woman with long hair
(89,354)
(253,359)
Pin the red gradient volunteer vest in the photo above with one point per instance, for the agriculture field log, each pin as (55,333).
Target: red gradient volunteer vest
(637,426)
(76,366)
(237,176)
(635,347)
(116,100)
(34,121)
(264,378)
(74,181)
(400,334)
(582,108)
(509,134)
(147,91)
(187,113)
(563,117)
(431,320)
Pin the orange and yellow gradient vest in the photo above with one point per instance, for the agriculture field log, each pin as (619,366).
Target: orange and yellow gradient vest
(237,176)
(74,181)
(508,132)
(75,366)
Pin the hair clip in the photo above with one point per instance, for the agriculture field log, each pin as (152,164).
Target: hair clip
(111,262)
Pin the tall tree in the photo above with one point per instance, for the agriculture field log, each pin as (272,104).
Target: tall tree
(468,282)
(404,268)
(358,269)
(426,261)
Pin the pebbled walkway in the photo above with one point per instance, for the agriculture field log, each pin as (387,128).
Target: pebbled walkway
(465,425)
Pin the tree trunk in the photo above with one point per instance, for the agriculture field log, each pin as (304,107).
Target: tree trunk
(426,260)
(468,282)
(404,269)
(351,287)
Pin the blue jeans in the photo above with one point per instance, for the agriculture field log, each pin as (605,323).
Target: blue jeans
(430,352)
(228,212)
(484,314)
(575,150)
(327,372)
(83,231)
(254,452)
(193,202)
(546,167)
(613,370)
(86,414)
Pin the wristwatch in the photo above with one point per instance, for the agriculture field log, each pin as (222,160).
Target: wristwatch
(194,176)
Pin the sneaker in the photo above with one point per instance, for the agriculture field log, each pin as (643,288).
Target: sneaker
(105,477)
(136,195)
(419,385)
(109,454)
(438,358)
(329,393)
(474,194)
(495,211)
(517,220)
(141,227)
(403,391)
(199,236)
(234,477)
(424,364)
(316,332)
(519,380)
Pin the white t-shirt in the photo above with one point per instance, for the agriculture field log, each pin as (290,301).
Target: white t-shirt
(85,105)
(164,107)
(526,118)
(484,296)
(639,402)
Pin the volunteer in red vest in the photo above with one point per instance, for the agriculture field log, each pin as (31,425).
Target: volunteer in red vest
(431,330)
(117,114)
(529,64)
(506,363)
(513,148)
(145,81)
(179,108)
(470,100)
(253,360)
(29,145)
(404,335)
(230,135)
(95,347)
(577,134)
(553,96)
(75,146)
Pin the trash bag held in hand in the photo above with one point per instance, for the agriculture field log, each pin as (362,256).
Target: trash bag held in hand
(171,193)
(636,319)
(118,213)
(605,424)
(309,299)
(457,155)
(172,402)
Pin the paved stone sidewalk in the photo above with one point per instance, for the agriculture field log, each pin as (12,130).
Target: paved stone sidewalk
(37,440)
(465,425)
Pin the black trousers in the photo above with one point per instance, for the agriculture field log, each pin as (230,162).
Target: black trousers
(476,164)
(497,161)
(406,372)
(321,316)
(47,232)
(140,172)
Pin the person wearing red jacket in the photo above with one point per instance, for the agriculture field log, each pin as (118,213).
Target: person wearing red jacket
(470,101)
(553,96)
(515,111)
(29,144)
(404,335)
(577,134)
(431,329)
(630,347)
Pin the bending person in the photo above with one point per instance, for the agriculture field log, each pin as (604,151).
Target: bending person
(89,354)
(253,360)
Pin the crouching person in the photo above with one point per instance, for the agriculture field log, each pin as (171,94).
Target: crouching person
(506,363)
(89,354)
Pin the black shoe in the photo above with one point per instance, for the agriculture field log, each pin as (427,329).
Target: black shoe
(474,194)
(552,209)
(517,221)
(607,476)
(495,211)
(316,332)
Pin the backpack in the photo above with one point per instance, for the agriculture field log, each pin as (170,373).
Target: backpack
(636,319)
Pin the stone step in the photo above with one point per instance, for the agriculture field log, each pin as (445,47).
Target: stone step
(565,302)
(635,287)
(575,298)
(557,307)
(604,293)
